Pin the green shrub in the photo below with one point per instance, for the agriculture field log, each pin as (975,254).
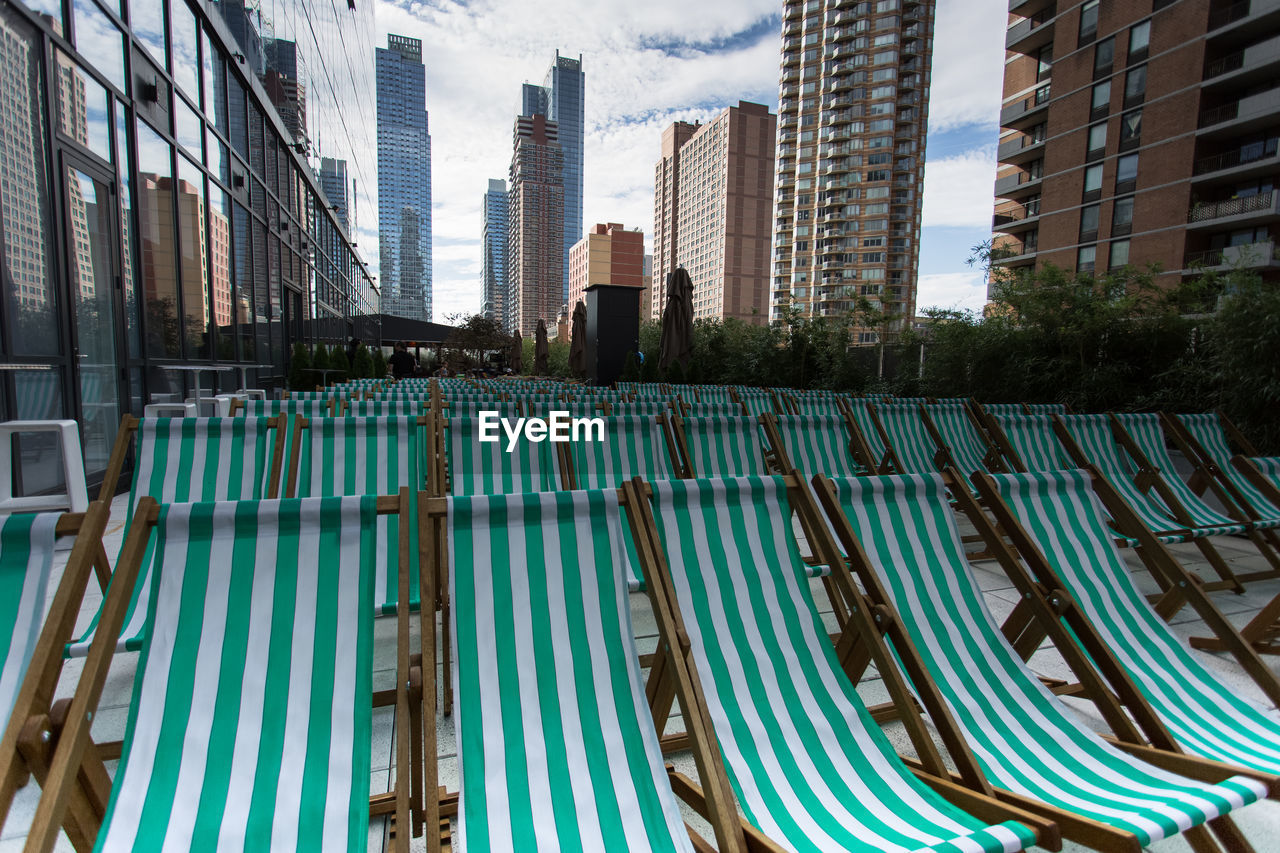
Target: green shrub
(379,364)
(299,368)
(362,364)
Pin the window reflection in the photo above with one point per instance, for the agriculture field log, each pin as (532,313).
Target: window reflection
(242,281)
(124,174)
(99,40)
(217,158)
(182,33)
(235,121)
(82,108)
(24,193)
(220,265)
(187,128)
(146,21)
(159,268)
(195,261)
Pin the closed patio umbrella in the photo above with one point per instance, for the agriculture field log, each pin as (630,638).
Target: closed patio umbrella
(677,321)
(515,358)
(541,350)
(578,341)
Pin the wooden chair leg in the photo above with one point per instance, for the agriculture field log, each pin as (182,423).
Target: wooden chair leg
(1230,835)
(1219,564)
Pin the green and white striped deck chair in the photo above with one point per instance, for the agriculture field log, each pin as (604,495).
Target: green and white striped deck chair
(1025,739)
(1066,522)
(723,446)
(26,558)
(1046,408)
(810,767)
(250,722)
(575,408)
(556,747)
(472,408)
(1092,433)
(633,446)
(1031,437)
(759,402)
(711,410)
(1146,432)
(816,406)
(817,444)
(487,468)
(711,393)
(913,448)
(967,447)
(860,413)
(909,401)
(1267,466)
(1003,409)
(641,407)
(180,460)
(383,408)
(291,409)
(369,456)
(1206,430)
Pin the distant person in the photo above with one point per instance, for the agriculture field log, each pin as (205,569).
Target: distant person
(401,363)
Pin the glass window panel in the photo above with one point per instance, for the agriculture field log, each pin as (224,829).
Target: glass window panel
(187,128)
(1085,258)
(182,34)
(146,21)
(1122,213)
(52,8)
(256,142)
(1101,96)
(1104,54)
(99,40)
(24,197)
(242,281)
(1093,178)
(124,174)
(83,108)
(261,310)
(38,395)
(210,89)
(1131,126)
(1127,168)
(1089,219)
(1089,19)
(195,261)
(217,157)
(221,261)
(1119,253)
(1135,83)
(1139,37)
(236,116)
(1098,137)
(159,255)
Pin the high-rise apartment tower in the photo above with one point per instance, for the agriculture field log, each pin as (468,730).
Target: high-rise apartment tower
(493,264)
(1140,133)
(852,114)
(404,180)
(535,223)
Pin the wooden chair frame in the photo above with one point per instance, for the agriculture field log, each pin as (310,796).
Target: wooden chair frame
(860,645)
(569,474)
(1079,828)
(862,448)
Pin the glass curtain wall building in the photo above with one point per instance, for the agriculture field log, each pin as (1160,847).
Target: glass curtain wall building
(158,207)
(493,265)
(561,98)
(404,180)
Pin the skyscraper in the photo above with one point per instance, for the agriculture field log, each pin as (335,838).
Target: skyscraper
(404,180)
(852,114)
(714,201)
(333,180)
(493,265)
(666,197)
(561,98)
(1139,134)
(535,217)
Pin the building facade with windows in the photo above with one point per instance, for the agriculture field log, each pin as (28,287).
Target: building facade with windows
(607,254)
(535,222)
(493,263)
(1140,133)
(718,208)
(853,109)
(666,198)
(404,180)
(562,98)
(157,209)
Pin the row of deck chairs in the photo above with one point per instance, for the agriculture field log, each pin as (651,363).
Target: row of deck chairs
(560,739)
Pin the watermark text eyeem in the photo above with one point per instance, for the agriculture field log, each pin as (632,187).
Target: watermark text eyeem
(557,426)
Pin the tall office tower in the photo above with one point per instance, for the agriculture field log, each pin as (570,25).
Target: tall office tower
(646,282)
(716,218)
(607,254)
(404,180)
(284,88)
(1132,136)
(852,114)
(333,180)
(493,265)
(560,98)
(666,193)
(535,225)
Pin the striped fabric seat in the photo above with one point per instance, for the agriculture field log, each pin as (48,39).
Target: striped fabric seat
(1093,434)
(250,723)
(291,409)
(912,445)
(1046,408)
(867,427)
(817,445)
(1067,523)
(633,446)
(641,407)
(368,456)
(711,410)
(809,765)
(186,460)
(26,556)
(1025,739)
(816,406)
(759,402)
(1207,430)
(1268,466)
(382,408)
(472,408)
(1033,440)
(487,468)
(710,394)
(575,408)
(724,446)
(1004,409)
(1147,433)
(967,446)
(556,748)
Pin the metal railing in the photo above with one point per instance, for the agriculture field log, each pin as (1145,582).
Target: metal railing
(1232,207)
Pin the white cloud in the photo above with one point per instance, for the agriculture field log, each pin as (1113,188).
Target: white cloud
(953,290)
(968,63)
(958,190)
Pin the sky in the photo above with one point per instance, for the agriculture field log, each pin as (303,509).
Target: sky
(651,63)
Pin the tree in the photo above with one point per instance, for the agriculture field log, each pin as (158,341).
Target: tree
(338,363)
(362,364)
(379,364)
(319,362)
(474,336)
(299,367)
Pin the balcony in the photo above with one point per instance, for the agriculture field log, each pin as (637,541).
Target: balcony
(1264,255)
(1020,149)
(1250,210)
(837,117)
(1245,162)
(1257,62)
(1030,34)
(1250,113)
(1016,220)
(1027,112)
(1017,185)
(1246,16)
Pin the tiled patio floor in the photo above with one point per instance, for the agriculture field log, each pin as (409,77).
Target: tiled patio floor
(1259,822)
